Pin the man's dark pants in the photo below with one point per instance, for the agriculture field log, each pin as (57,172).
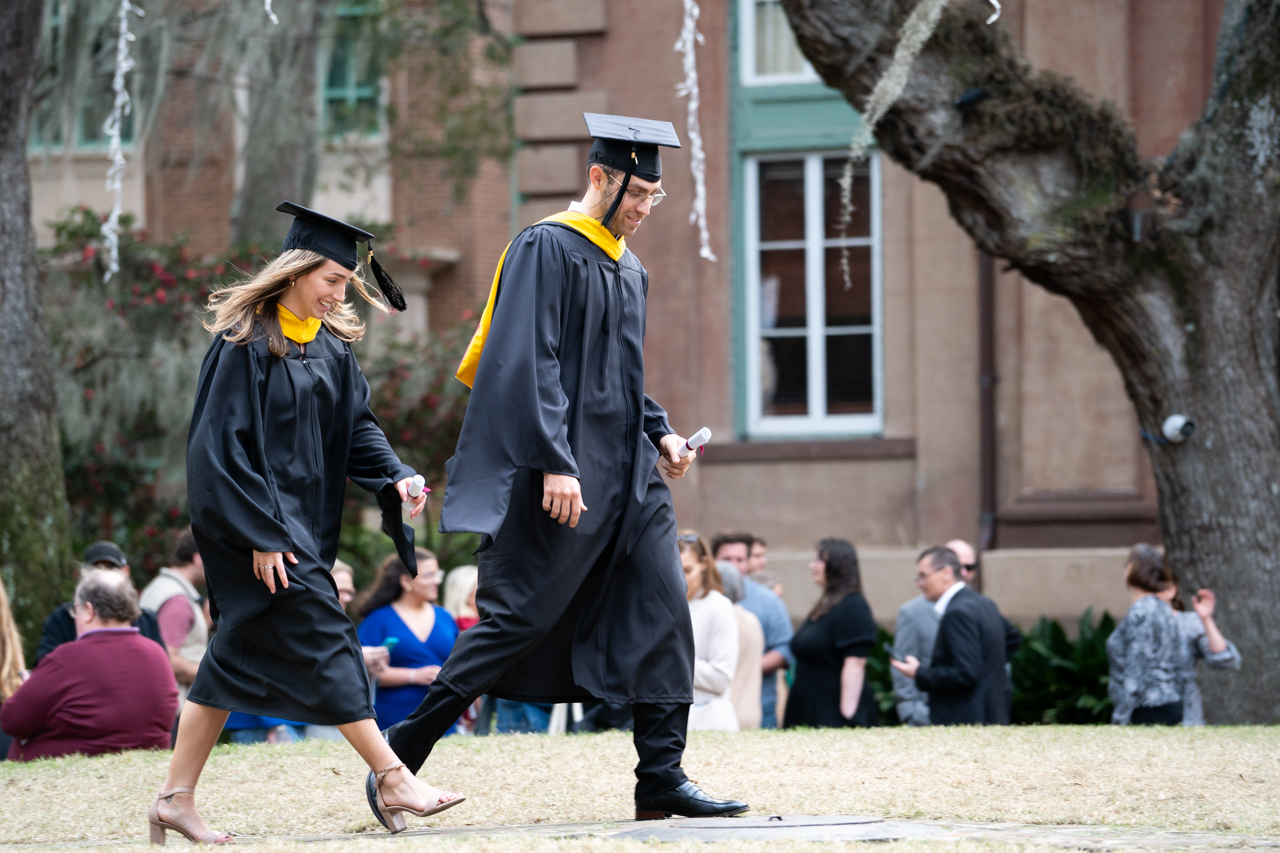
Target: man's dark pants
(522,594)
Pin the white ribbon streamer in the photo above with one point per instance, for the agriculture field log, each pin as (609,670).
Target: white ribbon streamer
(112,127)
(266,4)
(687,45)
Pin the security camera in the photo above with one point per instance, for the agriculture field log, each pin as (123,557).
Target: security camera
(1178,428)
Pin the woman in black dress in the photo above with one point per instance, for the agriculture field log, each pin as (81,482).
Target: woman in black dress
(832,646)
(281,422)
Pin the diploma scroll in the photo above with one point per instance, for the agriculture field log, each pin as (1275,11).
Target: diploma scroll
(699,439)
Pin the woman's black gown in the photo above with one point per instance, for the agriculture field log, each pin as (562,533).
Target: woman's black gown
(272,444)
(820,647)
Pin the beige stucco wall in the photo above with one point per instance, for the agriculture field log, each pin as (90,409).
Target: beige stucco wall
(1026,584)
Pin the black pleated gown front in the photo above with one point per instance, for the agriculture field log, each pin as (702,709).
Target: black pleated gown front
(272,444)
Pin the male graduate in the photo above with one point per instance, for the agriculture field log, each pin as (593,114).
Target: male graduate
(559,467)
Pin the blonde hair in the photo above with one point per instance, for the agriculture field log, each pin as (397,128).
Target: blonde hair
(247,309)
(457,589)
(11,662)
(691,540)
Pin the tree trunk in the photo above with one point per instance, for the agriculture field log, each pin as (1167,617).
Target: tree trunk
(1042,177)
(35,557)
(283,137)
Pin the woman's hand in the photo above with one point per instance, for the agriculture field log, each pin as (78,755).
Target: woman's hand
(1203,603)
(268,565)
(425,674)
(419,503)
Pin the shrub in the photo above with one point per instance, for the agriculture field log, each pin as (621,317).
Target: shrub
(1059,681)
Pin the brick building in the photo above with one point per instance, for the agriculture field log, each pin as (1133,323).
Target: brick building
(853,410)
(857,410)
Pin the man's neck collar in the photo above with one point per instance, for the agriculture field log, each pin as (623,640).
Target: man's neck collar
(943,600)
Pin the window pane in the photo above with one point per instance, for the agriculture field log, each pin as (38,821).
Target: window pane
(784,376)
(776,48)
(860,195)
(849,375)
(782,302)
(782,200)
(97,107)
(851,305)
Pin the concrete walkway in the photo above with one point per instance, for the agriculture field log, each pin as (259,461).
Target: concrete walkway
(851,828)
(806,828)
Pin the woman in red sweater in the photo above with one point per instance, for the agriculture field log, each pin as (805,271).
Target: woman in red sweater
(110,690)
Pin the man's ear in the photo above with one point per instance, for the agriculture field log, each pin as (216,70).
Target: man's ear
(597,176)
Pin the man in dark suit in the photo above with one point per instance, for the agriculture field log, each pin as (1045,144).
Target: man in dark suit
(966,680)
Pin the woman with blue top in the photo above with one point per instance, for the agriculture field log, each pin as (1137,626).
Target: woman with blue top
(403,609)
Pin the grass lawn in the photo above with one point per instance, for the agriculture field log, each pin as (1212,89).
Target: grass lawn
(1218,779)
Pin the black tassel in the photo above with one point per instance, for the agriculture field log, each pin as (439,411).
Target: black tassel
(391,290)
(622,190)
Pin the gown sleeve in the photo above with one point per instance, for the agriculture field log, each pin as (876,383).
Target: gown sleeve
(229,499)
(371,463)
(656,425)
(517,416)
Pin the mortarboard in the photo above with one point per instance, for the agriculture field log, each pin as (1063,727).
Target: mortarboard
(336,240)
(629,145)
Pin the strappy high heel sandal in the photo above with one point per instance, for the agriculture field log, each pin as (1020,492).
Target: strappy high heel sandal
(159,827)
(392,817)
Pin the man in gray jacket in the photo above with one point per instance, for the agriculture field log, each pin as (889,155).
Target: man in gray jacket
(916,629)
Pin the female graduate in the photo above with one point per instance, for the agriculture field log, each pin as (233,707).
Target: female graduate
(281,422)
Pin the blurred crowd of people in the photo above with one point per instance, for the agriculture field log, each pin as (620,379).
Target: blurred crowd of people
(113,665)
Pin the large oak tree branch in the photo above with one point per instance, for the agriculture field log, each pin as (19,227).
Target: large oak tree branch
(1041,175)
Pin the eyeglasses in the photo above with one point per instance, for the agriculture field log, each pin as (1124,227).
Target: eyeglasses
(687,538)
(638,196)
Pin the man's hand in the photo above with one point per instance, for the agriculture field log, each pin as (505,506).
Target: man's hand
(268,565)
(419,503)
(562,497)
(670,462)
(909,668)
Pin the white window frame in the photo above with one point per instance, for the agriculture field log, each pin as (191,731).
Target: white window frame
(817,422)
(747,54)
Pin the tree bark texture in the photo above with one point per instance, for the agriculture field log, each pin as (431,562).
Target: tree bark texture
(35,558)
(1042,176)
(282,139)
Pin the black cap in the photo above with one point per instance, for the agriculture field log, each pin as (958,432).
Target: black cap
(106,552)
(617,137)
(335,240)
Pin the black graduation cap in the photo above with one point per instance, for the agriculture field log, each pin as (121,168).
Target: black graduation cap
(629,145)
(336,240)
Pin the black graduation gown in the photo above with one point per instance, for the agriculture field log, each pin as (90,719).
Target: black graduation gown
(272,443)
(560,389)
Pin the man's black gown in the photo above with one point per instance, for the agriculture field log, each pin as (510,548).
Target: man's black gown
(567,614)
(272,443)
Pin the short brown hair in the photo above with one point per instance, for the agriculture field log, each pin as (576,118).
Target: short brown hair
(112,595)
(1147,570)
(186,551)
(731,539)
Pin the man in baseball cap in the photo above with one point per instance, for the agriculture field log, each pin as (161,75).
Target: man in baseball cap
(60,627)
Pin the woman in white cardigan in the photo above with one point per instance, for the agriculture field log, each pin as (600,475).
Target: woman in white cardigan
(715,639)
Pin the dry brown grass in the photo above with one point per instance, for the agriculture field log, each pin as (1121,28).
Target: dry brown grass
(1192,779)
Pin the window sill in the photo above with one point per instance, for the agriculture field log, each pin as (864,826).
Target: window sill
(808,451)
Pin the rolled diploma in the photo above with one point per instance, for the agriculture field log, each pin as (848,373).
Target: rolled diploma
(699,438)
(415,488)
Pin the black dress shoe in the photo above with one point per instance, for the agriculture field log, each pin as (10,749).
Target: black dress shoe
(686,801)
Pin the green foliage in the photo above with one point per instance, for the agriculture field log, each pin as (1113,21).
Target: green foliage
(128,353)
(128,356)
(1059,681)
(880,673)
